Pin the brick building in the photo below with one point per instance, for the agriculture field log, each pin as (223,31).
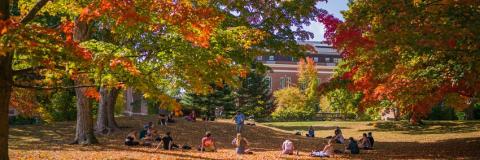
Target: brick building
(285,69)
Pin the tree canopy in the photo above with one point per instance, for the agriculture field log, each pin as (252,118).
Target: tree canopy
(412,53)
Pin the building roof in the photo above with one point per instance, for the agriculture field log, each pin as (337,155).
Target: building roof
(321,47)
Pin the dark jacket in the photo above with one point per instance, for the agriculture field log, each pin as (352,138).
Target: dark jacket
(353,147)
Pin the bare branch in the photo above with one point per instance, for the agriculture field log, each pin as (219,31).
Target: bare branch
(30,15)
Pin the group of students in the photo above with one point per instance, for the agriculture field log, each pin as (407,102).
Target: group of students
(366,142)
(147,136)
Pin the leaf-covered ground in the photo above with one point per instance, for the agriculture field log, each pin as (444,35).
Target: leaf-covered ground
(393,140)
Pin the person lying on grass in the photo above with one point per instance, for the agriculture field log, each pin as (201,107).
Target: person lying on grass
(167,142)
(288,147)
(130,139)
(241,145)
(326,152)
(364,142)
(352,146)
(208,143)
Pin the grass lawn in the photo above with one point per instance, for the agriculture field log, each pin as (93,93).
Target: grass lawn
(393,140)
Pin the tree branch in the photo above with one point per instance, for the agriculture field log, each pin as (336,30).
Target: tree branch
(34,11)
(31,69)
(52,88)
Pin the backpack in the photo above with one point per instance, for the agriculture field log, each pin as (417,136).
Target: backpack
(186,147)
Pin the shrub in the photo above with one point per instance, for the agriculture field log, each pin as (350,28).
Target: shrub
(291,105)
(61,107)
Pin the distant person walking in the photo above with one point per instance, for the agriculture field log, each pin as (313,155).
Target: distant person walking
(239,121)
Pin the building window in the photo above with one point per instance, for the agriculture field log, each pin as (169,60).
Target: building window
(327,59)
(271,58)
(268,80)
(315,59)
(289,81)
(282,82)
(336,60)
(285,82)
(259,58)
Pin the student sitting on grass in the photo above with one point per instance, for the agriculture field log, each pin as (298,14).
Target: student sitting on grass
(143,132)
(208,143)
(170,118)
(326,152)
(352,146)
(241,145)
(192,117)
(339,136)
(364,142)
(311,132)
(167,142)
(130,139)
(370,137)
(288,147)
(162,119)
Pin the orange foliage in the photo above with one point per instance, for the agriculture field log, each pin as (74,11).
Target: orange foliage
(67,29)
(196,24)
(24,101)
(92,93)
(126,63)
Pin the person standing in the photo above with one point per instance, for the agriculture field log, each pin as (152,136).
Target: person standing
(239,121)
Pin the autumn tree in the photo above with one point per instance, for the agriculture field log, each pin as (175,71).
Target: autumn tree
(291,105)
(62,48)
(308,80)
(412,53)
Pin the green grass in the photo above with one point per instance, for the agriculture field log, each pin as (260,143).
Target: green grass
(388,131)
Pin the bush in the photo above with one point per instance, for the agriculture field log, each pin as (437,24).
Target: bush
(292,114)
(291,105)
(461,115)
(61,107)
(442,112)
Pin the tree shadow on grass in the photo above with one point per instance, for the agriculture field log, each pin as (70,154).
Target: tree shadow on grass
(461,148)
(55,137)
(304,128)
(430,127)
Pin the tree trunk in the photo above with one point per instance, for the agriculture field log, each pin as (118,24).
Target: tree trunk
(106,116)
(84,133)
(111,109)
(469,112)
(6,80)
(416,120)
(102,121)
(84,130)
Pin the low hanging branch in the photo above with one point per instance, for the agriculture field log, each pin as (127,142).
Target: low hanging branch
(30,15)
(53,88)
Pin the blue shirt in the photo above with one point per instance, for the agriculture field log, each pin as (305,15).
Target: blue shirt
(239,118)
(311,132)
